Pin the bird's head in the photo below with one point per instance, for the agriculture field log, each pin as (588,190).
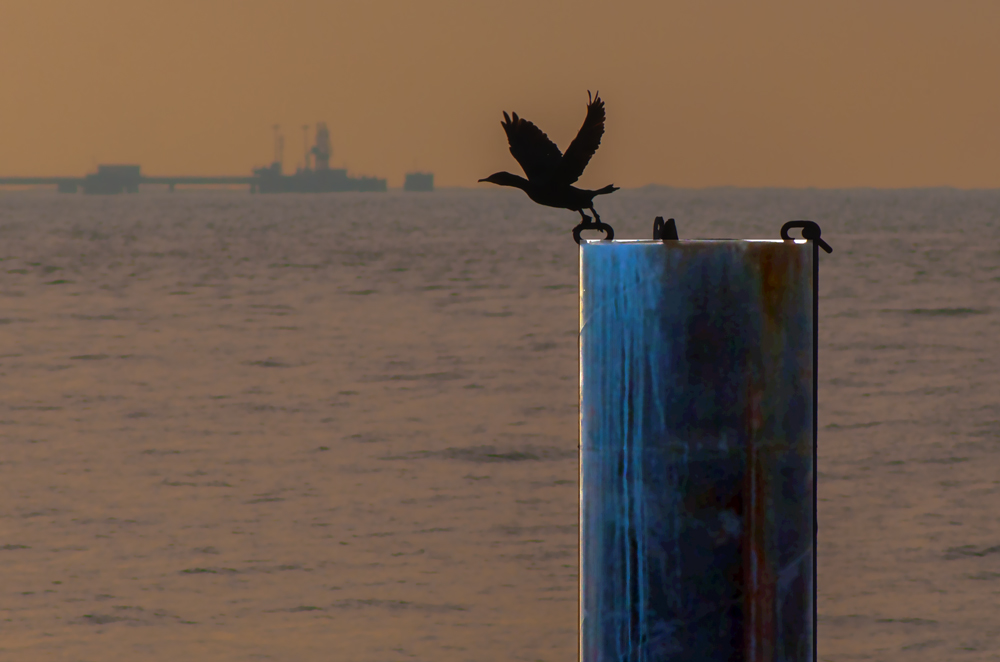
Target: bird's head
(505,179)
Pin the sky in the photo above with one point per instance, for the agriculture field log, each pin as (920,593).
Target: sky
(827,94)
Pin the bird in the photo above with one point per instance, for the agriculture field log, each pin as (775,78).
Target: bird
(550,172)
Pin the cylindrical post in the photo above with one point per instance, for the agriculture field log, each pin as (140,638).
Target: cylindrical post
(697,517)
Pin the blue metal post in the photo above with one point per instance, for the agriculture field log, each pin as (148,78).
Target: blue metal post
(697,429)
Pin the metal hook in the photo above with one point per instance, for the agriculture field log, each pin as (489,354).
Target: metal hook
(810,231)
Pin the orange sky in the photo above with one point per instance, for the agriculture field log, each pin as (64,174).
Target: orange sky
(882,93)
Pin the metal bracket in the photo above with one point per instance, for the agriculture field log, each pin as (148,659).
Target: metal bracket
(810,231)
(665,231)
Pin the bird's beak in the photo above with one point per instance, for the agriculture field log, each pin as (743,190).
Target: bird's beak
(483,179)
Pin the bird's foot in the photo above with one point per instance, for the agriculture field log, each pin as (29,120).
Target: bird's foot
(587,220)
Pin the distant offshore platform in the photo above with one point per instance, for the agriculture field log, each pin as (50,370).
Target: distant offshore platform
(319,178)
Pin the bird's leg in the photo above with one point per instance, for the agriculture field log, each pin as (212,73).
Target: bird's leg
(586,219)
(594,212)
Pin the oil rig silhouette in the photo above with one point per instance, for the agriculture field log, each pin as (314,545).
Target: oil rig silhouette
(314,176)
(321,178)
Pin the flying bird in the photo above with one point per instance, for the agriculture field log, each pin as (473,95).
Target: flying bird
(550,172)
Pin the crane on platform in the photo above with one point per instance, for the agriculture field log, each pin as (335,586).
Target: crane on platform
(305,145)
(279,147)
(321,150)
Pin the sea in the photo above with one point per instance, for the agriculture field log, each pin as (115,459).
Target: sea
(343,426)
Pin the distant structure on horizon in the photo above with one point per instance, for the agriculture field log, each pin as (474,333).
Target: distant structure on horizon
(111,179)
(319,179)
(419,181)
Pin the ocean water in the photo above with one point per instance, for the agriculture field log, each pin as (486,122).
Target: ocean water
(242,427)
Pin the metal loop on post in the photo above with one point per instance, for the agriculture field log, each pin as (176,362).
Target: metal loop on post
(590,225)
(810,231)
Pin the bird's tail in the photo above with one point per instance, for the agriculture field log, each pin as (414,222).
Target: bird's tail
(610,188)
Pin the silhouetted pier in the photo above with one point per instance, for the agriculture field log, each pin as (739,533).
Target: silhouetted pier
(111,179)
(114,179)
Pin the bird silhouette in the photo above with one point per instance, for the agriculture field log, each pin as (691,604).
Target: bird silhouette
(550,172)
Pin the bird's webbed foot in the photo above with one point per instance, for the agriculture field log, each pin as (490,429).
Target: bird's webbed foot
(586,219)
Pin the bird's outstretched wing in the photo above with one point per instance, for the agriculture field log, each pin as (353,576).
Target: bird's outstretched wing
(584,145)
(539,157)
